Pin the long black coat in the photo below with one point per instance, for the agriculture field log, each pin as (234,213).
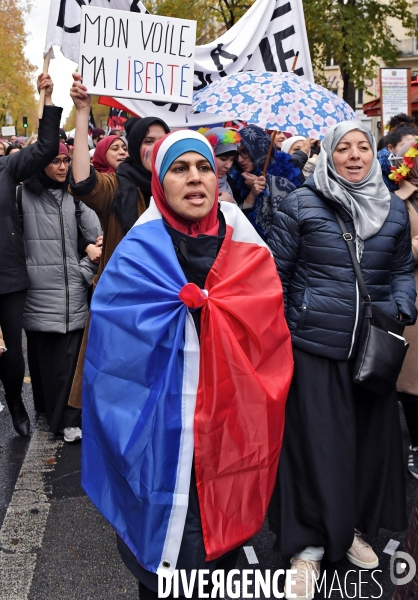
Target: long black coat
(13,170)
(323,308)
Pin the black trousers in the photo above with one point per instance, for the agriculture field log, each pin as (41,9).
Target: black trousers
(12,363)
(52,359)
(410,409)
(341,465)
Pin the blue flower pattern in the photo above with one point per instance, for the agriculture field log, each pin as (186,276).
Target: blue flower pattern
(281,101)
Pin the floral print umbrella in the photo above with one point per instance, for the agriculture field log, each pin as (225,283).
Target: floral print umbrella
(281,101)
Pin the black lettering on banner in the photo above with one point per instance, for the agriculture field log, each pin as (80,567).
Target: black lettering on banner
(216,53)
(61,14)
(265,49)
(135,8)
(281,10)
(173,107)
(61,17)
(278,38)
(204,80)
(96,72)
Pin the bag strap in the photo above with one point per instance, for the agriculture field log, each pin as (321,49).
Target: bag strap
(348,238)
(78,217)
(19,193)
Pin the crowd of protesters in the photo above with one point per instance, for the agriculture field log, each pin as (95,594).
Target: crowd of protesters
(143,212)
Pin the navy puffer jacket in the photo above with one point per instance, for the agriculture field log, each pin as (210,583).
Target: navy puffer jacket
(323,307)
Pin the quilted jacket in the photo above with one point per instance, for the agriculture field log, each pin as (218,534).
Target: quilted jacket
(59,277)
(323,308)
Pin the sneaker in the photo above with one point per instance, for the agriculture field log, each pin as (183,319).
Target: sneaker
(72,434)
(303,580)
(413,461)
(362,554)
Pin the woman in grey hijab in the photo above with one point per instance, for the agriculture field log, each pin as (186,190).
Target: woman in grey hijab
(340,468)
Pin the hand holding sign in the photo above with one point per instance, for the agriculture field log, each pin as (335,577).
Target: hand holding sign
(79,94)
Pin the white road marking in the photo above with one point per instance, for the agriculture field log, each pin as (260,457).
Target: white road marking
(24,524)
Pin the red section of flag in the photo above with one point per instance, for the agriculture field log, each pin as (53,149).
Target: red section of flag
(108,101)
(245,375)
(192,296)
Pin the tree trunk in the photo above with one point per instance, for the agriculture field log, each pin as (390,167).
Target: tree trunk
(349,91)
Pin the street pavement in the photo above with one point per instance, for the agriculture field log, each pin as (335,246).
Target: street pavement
(54,545)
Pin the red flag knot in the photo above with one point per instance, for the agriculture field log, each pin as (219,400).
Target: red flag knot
(192,296)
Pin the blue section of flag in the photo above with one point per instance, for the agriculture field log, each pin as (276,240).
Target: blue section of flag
(132,390)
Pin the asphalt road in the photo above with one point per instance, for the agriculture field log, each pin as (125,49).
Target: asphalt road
(54,545)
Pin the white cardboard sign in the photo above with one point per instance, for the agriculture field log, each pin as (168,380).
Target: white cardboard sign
(133,55)
(8,131)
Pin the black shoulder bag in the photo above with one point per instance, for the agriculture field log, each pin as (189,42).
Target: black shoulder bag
(381,347)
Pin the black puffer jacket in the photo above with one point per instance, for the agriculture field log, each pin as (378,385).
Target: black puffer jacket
(13,170)
(323,307)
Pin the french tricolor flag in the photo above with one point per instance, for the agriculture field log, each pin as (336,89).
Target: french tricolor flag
(156,398)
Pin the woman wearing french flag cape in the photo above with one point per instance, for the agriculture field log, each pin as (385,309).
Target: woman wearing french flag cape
(187,371)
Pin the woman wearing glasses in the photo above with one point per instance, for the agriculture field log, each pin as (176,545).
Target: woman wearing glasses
(261,195)
(62,258)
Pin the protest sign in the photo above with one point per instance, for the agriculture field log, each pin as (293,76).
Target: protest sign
(139,56)
(8,131)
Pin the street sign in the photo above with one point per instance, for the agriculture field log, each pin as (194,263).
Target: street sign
(395,94)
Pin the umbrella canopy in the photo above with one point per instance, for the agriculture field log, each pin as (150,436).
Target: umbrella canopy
(281,101)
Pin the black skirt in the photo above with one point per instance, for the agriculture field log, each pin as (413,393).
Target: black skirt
(341,465)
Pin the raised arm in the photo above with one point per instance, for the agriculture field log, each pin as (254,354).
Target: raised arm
(36,157)
(82,101)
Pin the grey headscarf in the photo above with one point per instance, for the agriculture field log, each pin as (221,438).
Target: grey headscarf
(368,202)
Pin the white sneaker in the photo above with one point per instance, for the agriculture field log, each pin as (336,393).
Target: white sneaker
(72,434)
(307,572)
(362,554)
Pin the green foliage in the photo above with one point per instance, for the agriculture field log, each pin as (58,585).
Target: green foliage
(17,93)
(355,34)
(212,16)
(229,11)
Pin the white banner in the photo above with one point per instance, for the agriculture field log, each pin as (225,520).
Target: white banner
(144,57)
(65,21)
(266,38)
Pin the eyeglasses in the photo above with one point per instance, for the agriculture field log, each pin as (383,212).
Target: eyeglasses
(243,152)
(58,161)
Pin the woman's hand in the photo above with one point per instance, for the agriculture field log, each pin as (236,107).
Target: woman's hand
(45,82)
(307,145)
(257,187)
(249,179)
(78,93)
(94,252)
(99,241)
(225,197)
